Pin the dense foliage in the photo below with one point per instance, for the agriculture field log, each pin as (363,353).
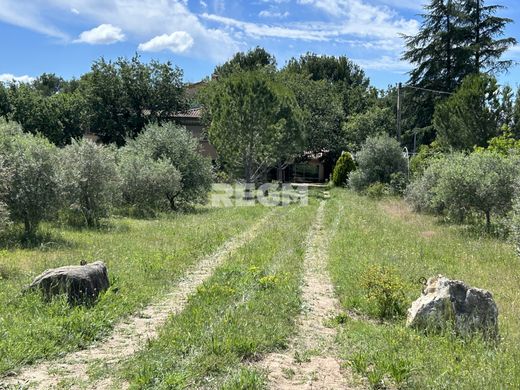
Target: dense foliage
(457,38)
(89,181)
(471,116)
(34,192)
(255,122)
(5,183)
(460,186)
(344,166)
(177,146)
(146,184)
(379,159)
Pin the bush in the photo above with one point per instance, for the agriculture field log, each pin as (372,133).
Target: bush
(33,193)
(89,181)
(460,184)
(376,190)
(146,184)
(175,144)
(385,289)
(421,193)
(342,169)
(378,159)
(426,155)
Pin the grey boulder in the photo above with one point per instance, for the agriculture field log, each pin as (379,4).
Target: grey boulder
(81,284)
(451,304)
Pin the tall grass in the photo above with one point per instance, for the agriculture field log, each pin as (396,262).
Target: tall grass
(386,233)
(144,260)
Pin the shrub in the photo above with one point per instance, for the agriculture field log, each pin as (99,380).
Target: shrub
(342,169)
(378,159)
(425,156)
(146,184)
(376,190)
(33,193)
(385,289)
(460,184)
(175,144)
(421,193)
(398,183)
(89,181)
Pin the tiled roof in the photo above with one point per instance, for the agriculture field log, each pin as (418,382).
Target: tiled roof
(194,113)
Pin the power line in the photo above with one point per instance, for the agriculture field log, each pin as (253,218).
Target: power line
(427,89)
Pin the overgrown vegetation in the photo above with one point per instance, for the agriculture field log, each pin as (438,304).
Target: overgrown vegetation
(385,235)
(145,258)
(379,158)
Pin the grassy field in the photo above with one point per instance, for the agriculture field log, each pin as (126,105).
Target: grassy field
(245,310)
(412,246)
(248,307)
(144,259)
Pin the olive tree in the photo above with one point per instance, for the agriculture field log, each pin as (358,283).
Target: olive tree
(176,145)
(89,180)
(379,159)
(147,184)
(459,184)
(33,192)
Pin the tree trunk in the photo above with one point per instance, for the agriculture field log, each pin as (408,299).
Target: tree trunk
(488,221)
(477,38)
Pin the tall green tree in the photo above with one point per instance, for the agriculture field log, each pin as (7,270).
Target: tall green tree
(470,117)
(122,97)
(58,117)
(346,78)
(255,121)
(5,105)
(484,36)
(457,38)
(254,59)
(49,84)
(322,110)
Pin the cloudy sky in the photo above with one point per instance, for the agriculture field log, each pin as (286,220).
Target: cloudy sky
(65,36)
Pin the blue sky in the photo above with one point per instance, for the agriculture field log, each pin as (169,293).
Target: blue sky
(65,36)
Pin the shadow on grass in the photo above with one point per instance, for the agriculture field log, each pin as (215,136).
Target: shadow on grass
(44,239)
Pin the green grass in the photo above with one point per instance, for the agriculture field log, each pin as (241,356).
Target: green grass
(144,259)
(247,308)
(385,233)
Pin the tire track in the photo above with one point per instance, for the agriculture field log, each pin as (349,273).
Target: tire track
(311,362)
(130,335)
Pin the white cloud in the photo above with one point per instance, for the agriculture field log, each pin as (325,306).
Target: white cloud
(263,30)
(273,14)
(378,24)
(141,20)
(25,14)
(74,11)
(387,63)
(103,34)
(177,42)
(8,78)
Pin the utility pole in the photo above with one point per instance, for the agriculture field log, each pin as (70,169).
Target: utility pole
(399,86)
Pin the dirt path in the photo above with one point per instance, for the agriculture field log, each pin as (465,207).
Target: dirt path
(310,362)
(130,335)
